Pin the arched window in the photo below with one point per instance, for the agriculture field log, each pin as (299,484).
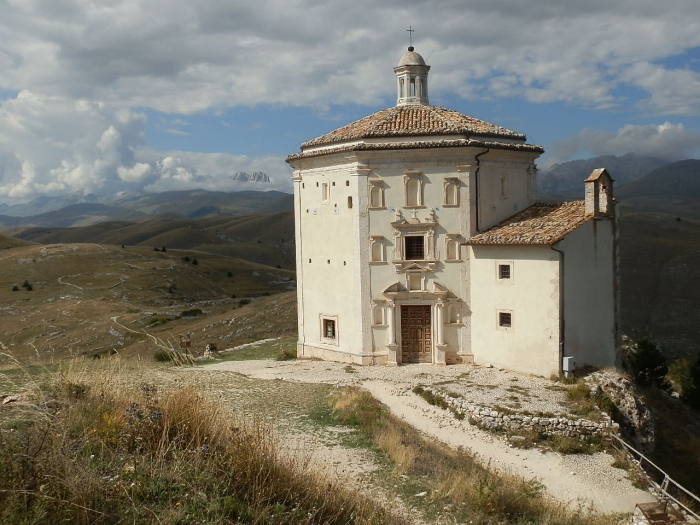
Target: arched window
(378,315)
(413,87)
(376,196)
(402,88)
(453,314)
(451,193)
(452,250)
(377,250)
(413,192)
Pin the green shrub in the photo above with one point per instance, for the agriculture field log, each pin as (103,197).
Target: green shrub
(243,302)
(648,364)
(687,376)
(287,354)
(194,312)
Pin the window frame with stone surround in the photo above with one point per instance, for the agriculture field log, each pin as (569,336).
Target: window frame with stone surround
(327,321)
(450,198)
(452,241)
(377,242)
(376,188)
(505,320)
(415,228)
(413,196)
(500,279)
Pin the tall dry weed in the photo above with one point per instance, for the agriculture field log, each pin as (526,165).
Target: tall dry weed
(93,449)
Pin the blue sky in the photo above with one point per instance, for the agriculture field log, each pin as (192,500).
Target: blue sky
(129,95)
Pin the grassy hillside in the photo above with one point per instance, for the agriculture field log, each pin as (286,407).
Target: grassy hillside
(265,239)
(12,242)
(94,299)
(673,189)
(660,273)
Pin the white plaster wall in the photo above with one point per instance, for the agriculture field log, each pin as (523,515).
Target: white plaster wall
(328,232)
(532,295)
(494,206)
(350,285)
(451,220)
(589,298)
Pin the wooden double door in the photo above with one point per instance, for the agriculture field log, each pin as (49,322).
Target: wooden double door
(416,334)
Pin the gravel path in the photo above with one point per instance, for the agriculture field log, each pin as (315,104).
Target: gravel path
(587,480)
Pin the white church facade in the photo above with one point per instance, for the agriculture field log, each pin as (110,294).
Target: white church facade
(419,240)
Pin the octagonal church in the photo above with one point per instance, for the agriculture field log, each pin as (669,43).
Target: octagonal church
(419,240)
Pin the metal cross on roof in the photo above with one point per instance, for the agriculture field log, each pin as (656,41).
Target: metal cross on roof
(410,35)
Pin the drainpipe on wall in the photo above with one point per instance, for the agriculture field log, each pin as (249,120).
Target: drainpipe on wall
(561,308)
(476,183)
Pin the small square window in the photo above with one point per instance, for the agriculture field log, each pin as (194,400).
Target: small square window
(415,248)
(329,329)
(504,271)
(505,319)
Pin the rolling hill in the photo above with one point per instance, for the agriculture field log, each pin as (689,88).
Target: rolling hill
(94,299)
(673,189)
(265,239)
(566,179)
(192,203)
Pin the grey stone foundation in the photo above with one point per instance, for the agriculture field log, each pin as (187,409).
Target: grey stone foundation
(494,419)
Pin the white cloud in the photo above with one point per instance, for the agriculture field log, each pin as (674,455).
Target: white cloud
(666,141)
(53,145)
(182,56)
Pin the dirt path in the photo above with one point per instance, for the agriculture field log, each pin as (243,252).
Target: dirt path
(587,480)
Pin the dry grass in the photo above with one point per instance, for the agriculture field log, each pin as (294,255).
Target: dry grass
(91,451)
(452,479)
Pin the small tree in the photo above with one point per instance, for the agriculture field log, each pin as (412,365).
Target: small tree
(648,364)
(163,249)
(15,288)
(195,262)
(691,388)
(156,249)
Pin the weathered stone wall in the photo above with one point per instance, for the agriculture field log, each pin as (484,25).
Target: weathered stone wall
(494,419)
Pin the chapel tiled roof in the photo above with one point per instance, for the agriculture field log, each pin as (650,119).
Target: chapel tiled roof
(414,120)
(415,145)
(538,224)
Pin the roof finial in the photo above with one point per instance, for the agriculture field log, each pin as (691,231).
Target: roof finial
(410,37)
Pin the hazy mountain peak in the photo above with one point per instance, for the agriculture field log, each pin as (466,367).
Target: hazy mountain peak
(567,178)
(256,176)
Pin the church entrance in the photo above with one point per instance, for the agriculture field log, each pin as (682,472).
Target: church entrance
(416,337)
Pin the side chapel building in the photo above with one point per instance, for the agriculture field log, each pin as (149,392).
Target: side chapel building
(418,240)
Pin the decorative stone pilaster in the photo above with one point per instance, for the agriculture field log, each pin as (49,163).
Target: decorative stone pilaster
(392,347)
(440,345)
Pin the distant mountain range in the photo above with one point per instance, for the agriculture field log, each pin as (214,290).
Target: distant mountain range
(83,210)
(673,189)
(566,179)
(659,235)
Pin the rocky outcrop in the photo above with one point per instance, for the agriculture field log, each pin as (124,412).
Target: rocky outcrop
(493,419)
(256,176)
(636,421)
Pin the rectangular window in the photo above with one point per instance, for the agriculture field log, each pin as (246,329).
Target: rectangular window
(325,192)
(415,248)
(328,329)
(504,271)
(505,319)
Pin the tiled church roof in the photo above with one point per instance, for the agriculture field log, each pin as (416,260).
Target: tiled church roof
(538,224)
(415,145)
(414,120)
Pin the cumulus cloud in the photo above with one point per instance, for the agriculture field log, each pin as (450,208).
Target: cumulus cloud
(667,141)
(182,56)
(53,145)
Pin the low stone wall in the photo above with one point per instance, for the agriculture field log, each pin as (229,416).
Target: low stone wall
(494,419)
